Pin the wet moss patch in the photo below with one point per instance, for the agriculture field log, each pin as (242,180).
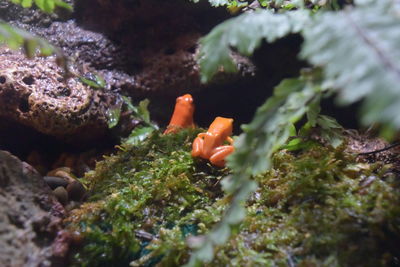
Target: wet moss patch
(138,194)
(316,207)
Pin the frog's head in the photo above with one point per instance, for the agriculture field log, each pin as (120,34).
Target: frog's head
(219,130)
(185,103)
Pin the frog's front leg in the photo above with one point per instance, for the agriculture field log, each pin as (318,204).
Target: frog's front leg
(197,146)
(230,140)
(219,155)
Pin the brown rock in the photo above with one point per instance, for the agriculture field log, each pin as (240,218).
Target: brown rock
(30,216)
(34,93)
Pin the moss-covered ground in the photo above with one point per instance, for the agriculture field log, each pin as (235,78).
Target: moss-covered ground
(316,207)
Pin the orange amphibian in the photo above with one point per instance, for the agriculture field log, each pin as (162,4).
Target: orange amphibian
(183,114)
(210,145)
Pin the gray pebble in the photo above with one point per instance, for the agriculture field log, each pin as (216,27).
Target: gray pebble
(54,182)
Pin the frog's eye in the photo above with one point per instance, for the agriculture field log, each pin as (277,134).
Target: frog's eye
(187,98)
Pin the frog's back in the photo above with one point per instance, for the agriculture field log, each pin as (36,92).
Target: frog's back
(221,126)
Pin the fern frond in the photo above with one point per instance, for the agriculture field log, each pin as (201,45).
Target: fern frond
(271,126)
(268,131)
(245,34)
(360,53)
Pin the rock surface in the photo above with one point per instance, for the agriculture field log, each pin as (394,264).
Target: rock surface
(30,217)
(34,93)
(148,49)
(145,48)
(160,40)
(31,16)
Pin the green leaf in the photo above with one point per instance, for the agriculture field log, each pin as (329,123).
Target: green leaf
(292,130)
(293,144)
(40,4)
(359,50)
(235,216)
(62,4)
(221,234)
(143,111)
(245,34)
(206,252)
(331,130)
(113,115)
(94,81)
(48,6)
(26,3)
(313,112)
(138,135)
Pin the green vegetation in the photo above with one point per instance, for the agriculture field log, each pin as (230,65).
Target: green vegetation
(317,206)
(47,6)
(309,208)
(355,47)
(143,188)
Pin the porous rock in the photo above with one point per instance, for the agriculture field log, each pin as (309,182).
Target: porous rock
(33,92)
(160,40)
(30,216)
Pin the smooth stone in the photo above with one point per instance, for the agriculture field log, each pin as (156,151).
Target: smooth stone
(61,194)
(76,191)
(54,182)
(63,172)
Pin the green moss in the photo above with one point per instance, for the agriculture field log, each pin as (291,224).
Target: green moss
(144,188)
(313,208)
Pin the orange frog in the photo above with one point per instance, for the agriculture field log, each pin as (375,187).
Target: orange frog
(183,114)
(210,145)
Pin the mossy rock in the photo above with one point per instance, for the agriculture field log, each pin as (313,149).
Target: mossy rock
(313,208)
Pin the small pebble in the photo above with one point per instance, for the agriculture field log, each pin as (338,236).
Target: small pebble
(61,194)
(76,191)
(54,182)
(63,172)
